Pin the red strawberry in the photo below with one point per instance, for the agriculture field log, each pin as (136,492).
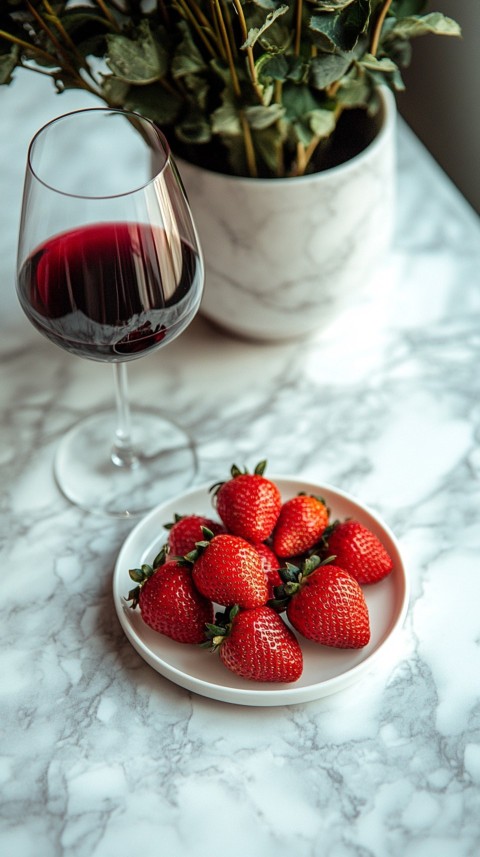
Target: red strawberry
(300,524)
(271,565)
(186,530)
(327,605)
(228,570)
(248,503)
(358,551)
(257,644)
(169,602)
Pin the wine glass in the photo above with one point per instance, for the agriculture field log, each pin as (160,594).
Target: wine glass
(110,268)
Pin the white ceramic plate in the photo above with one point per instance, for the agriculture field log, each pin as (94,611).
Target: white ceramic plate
(326,670)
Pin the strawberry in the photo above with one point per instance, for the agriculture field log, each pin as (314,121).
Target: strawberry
(271,565)
(257,644)
(248,503)
(228,570)
(325,604)
(358,551)
(300,524)
(169,602)
(186,530)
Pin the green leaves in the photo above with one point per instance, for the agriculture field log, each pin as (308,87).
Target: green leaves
(256,32)
(187,59)
(327,68)
(341,31)
(421,25)
(244,84)
(141,60)
(306,115)
(259,117)
(152,100)
(383,65)
(226,119)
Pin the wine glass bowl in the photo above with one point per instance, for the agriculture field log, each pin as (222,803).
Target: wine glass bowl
(110,268)
(108,291)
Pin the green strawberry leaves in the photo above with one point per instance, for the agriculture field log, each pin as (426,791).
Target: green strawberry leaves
(235,471)
(200,546)
(142,574)
(293,577)
(217,632)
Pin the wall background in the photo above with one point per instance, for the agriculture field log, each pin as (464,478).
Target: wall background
(442,98)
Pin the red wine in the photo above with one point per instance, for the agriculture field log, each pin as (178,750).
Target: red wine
(111,291)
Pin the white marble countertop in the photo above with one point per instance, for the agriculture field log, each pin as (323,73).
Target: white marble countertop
(102,756)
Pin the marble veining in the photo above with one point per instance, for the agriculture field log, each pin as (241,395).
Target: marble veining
(101,756)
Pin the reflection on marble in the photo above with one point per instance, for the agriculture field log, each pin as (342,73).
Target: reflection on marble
(100,755)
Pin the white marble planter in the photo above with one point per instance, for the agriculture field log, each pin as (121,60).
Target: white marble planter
(283,255)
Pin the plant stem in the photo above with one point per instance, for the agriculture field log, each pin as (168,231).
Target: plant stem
(301,160)
(61,52)
(64,34)
(202,18)
(249,147)
(108,14)
(46,57)
(249,49)
(378,27)
(218,37)
(298,26)
(184,10)
(308,151)
(29,47)
(278,92)
(228,50)
(229,27)
(332,89)
(163,11)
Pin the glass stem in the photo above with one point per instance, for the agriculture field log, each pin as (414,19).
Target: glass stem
(123,454)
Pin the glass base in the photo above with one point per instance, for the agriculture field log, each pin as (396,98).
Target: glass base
(89,472)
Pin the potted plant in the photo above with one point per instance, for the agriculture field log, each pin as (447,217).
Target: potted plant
(267,106)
